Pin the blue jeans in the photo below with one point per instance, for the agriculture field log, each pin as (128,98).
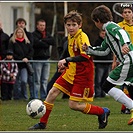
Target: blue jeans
(41,76)
(101,73)
(20,86)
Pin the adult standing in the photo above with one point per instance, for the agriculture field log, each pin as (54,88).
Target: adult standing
(21,22)
(41,45)
(102,69)
(4,39)
(22,50)
(63,53)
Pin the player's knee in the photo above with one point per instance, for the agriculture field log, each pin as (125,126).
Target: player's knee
(107,86)
(54,92)
(72,105)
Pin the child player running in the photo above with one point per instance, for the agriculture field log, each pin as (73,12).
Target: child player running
(118,41)
(77,80)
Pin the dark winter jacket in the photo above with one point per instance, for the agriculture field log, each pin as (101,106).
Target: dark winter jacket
(4,40)
(42,45)
(21,50)
(28,34)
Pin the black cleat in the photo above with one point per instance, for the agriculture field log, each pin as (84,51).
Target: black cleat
(103,119)
(38,126)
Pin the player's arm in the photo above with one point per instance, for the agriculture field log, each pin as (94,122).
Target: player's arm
(115,63)
(102,50)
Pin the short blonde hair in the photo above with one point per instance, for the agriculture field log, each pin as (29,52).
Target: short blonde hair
(13,38)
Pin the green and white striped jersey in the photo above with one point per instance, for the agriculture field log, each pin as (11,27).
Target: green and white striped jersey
(115,38)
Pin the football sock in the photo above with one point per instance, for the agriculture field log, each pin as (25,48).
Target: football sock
(121,97)
(123,107)
(93,110)
(45,117)
(131,113)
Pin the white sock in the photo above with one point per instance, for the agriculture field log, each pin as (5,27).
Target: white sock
(121,97)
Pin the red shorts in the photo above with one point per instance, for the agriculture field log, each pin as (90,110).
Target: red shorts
(77,92)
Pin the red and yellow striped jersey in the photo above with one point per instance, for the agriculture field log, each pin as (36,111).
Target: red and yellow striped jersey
(127,27)
(79,72)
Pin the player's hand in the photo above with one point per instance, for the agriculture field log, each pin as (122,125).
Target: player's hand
(61,65)
(114,64)
(84,47)
(125,49)
(25,60)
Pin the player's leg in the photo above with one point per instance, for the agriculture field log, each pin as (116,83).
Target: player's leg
(119,96)
(49,103)
(87,108)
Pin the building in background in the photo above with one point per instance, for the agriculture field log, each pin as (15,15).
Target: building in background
(10,11)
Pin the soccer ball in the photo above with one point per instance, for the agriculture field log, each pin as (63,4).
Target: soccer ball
(35,109)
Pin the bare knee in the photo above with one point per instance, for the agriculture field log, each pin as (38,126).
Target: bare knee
(53,93)
(73,105)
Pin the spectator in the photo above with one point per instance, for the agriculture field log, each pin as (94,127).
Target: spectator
(42,42)
(63,53)
(102,69)
(126,24)
(9,72)
(21,22)
(4,39)
(23,51)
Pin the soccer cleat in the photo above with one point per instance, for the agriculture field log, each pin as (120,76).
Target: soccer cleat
(38,126)
(125,111)
(103,119)
(130,122)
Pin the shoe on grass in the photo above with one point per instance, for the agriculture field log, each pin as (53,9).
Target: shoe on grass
(38,126)
(103,119)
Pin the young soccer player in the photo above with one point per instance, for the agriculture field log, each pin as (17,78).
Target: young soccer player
(118,41)
(78,78)
(126,24)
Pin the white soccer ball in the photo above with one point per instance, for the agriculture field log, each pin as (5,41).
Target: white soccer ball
(35,109)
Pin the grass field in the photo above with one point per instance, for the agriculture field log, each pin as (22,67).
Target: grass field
(13,117)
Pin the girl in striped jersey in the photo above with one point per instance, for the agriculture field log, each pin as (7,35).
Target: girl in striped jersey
(117,41)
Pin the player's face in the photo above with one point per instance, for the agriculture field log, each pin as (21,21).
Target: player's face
(72,27)
(127,14)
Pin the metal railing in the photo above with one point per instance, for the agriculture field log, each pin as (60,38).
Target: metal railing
(56,61)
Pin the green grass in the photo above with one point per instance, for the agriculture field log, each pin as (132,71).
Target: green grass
(13,116)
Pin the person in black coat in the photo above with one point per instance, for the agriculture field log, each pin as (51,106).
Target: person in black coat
(21,22)
(4,39)
(102,69)
(22,50)
(42,43)
(63,53)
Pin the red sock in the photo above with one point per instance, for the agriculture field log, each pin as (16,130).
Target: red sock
(93,110)
(49,107)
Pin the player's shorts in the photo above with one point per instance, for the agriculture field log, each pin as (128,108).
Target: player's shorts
(77,92)
(123,73)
